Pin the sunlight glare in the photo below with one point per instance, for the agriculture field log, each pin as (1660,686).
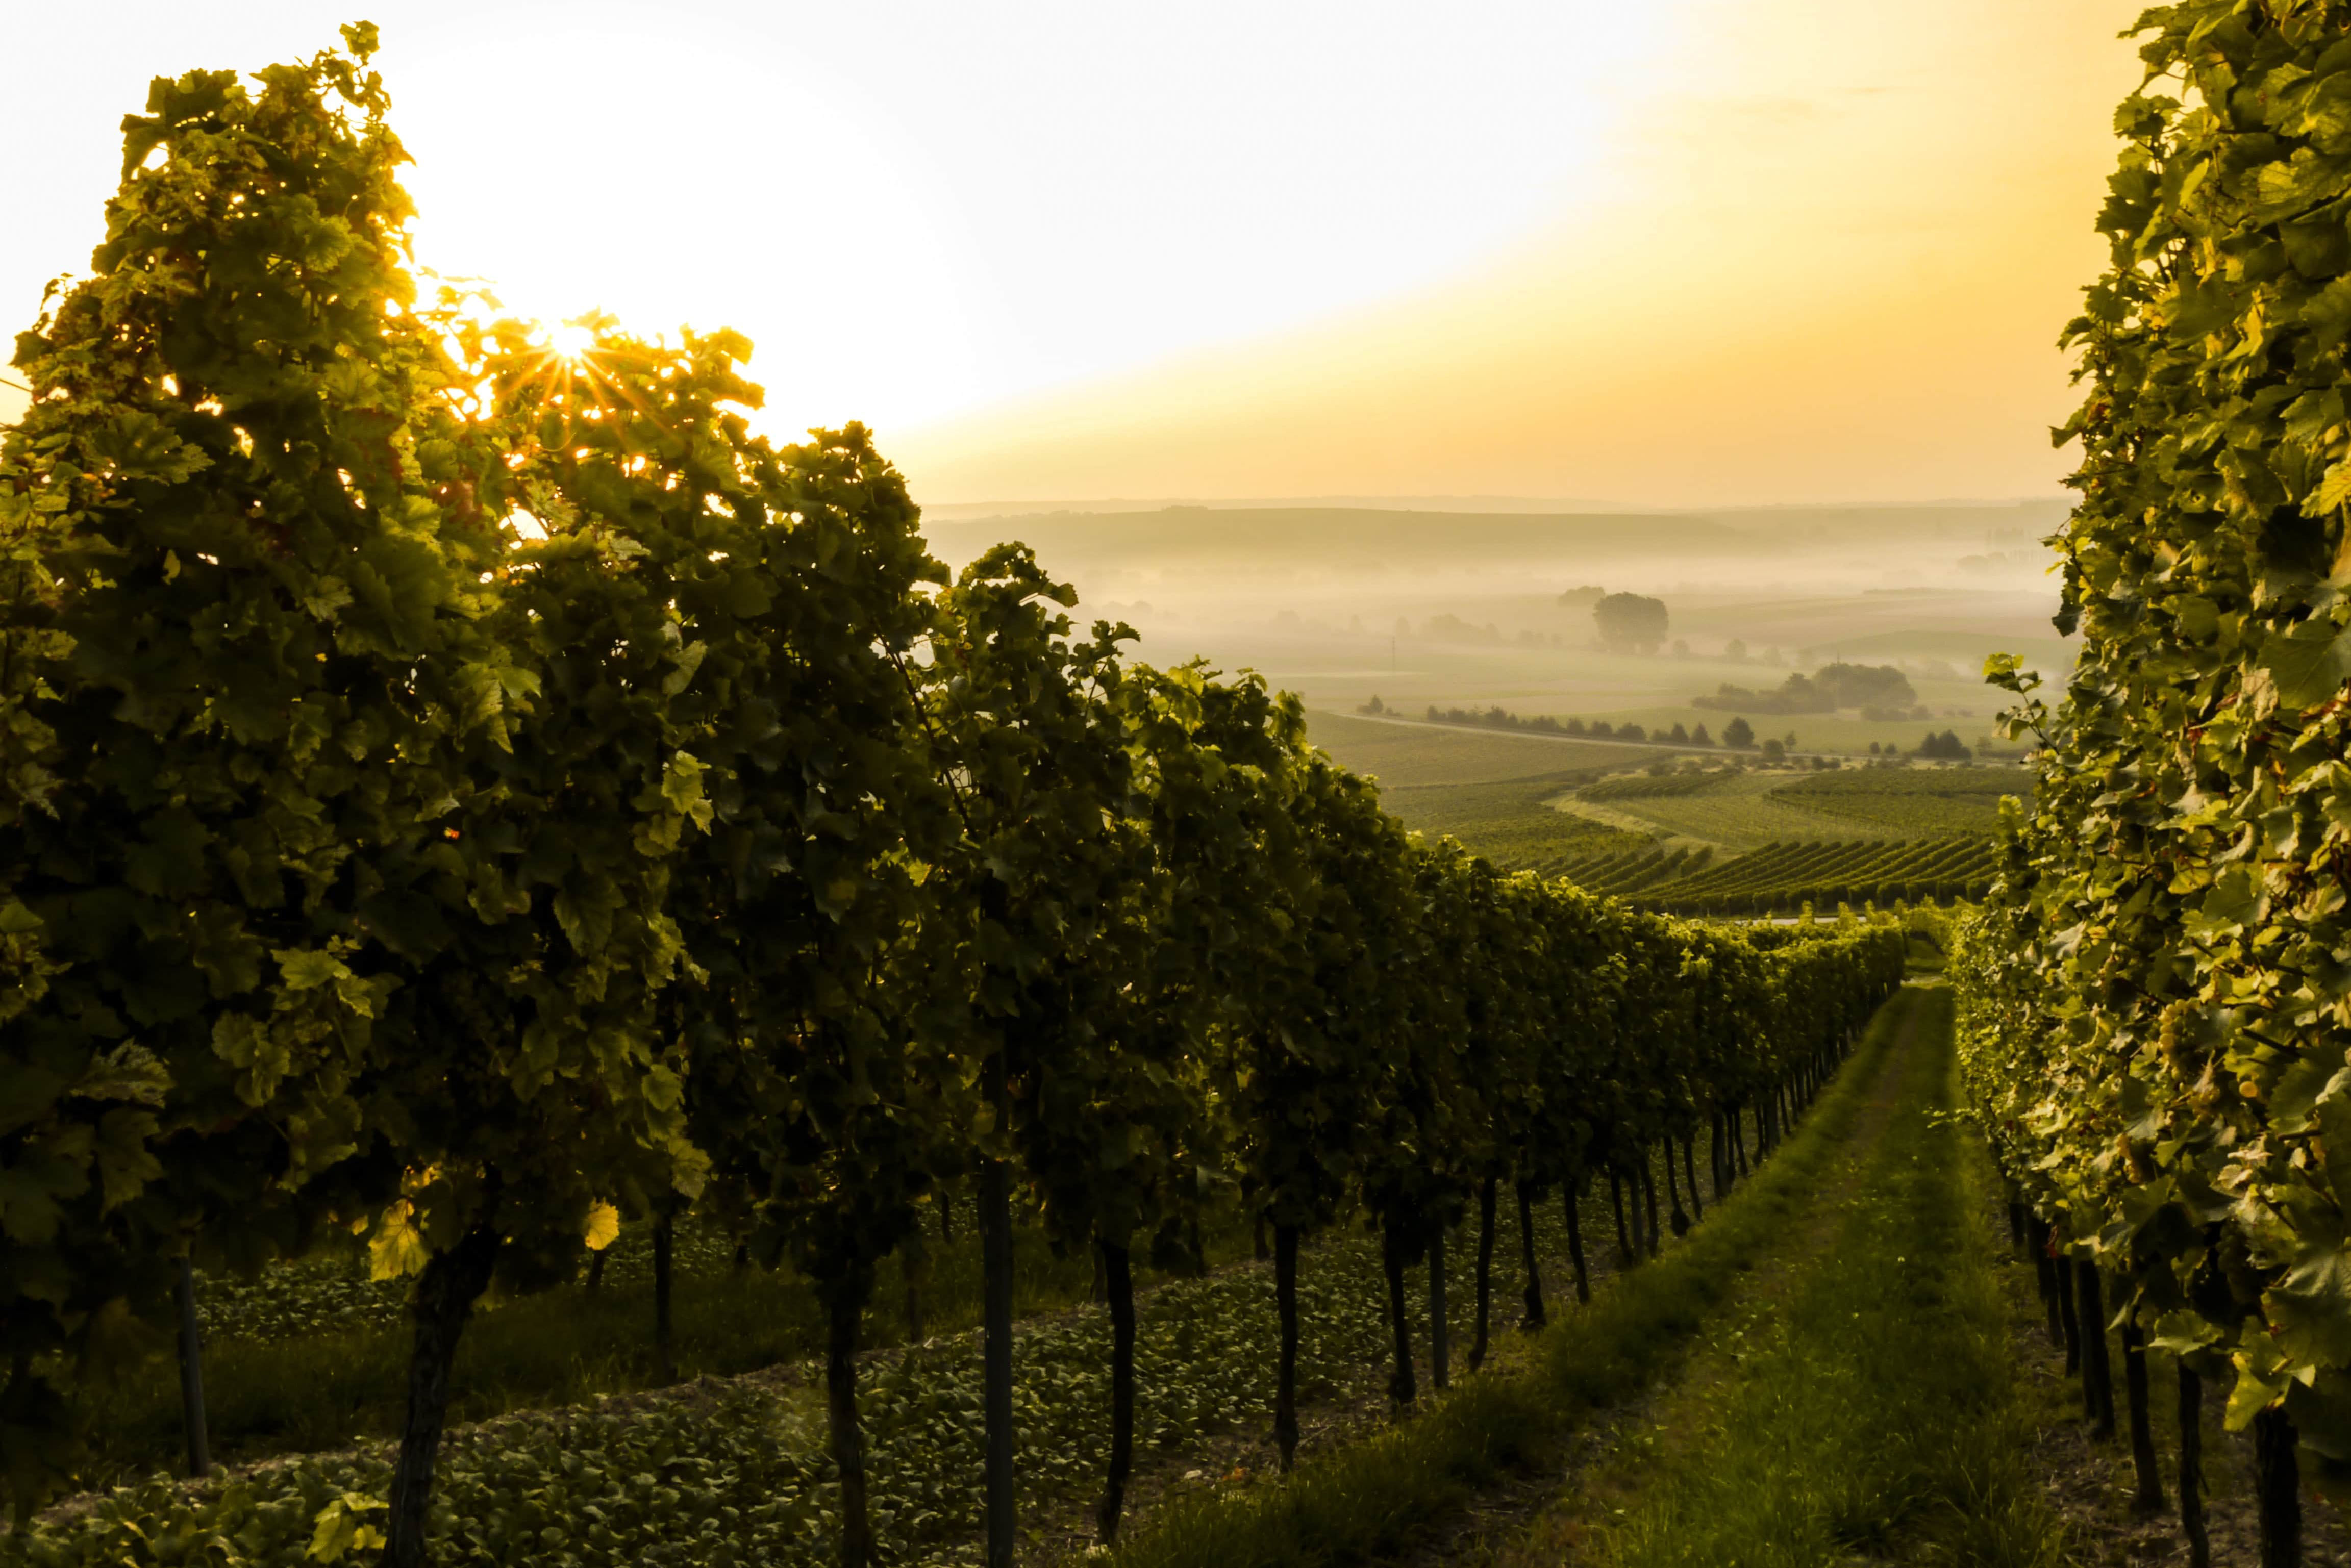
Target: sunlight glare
(570,341)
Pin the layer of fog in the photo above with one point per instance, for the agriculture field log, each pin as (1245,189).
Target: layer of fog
(1930,590)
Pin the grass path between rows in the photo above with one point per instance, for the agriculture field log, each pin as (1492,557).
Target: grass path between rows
(1860,1402)
(1417,1487)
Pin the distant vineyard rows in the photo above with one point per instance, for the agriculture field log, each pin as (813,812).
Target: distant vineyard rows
(1647,787)
(1778,878)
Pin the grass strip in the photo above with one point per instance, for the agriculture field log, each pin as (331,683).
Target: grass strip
(1377,1496)
(1873,1409)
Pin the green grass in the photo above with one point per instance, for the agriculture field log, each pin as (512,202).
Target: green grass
(1875,1413)
(1380,1496)
(1409,756)
(1735,811)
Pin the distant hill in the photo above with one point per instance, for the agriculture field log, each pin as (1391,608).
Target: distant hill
(1378,539)
(1332,537)
(963,511)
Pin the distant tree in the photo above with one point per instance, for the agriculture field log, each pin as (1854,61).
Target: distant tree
(1631,732)
(1772,657)
(1453,629)
(1945,747)
(1866,686)
(1772,750)
(1872,749)
(1681,649)
(1698,736)
(1600,727)
(1735,650)
(1375,706)
(1738,733)
(1797,693)
(1630,623)
(1575,726)
(1679,735)
(1436,713)
(1577,598)
(1791,738)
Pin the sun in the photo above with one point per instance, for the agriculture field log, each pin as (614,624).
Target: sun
(570,341)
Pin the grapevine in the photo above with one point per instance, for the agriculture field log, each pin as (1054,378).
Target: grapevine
(2154,1001)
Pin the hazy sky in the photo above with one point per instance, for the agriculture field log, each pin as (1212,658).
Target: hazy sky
(1679,252)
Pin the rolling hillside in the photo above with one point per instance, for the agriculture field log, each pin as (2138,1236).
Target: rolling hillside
(1724,840)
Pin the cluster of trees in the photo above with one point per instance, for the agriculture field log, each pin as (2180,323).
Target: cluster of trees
(1739,736)
(1449,628)
(1630,623)
(1500,717)
(2156,1004)
(1945,747)
(1874,688)
(1601,730)
(478,798)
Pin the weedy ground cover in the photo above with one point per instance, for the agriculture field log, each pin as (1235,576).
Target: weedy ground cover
(313,1354)
(722,1471)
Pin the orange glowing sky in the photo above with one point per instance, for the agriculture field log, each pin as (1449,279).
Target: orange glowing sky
(1688,252)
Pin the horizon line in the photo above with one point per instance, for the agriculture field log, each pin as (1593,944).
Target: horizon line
(1491,502)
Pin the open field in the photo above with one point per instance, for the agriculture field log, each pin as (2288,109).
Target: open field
(1734,811)
(1339,671)
(1744,810)
(1709,836)
(1409,756)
